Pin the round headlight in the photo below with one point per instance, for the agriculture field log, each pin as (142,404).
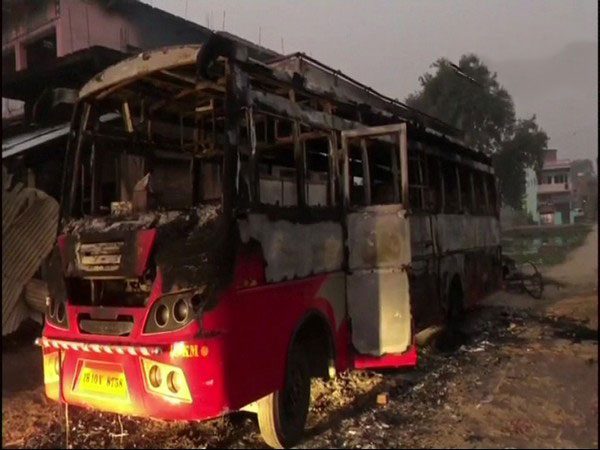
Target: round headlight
(162,315)
(181,310)
(51,306)
(155,377)
(61,311)
(174,382)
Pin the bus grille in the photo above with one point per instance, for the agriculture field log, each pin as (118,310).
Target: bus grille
(103,256)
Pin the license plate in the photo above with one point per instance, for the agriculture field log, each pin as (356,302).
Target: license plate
(113,384)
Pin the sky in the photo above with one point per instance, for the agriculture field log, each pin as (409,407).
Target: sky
(388,44)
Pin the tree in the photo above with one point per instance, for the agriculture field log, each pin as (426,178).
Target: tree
(524,149)
(469,97)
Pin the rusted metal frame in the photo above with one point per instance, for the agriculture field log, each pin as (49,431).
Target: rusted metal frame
(112,137)
(196,134)
(204,109)
(139,66)
(403,140)
(357,92)
(102,95)
(178,76)
(162,84)
(395,172)
(280,106)
(213,142)
(442,186)
(66,175)
(254,180)
(422,185)
(458,188)
(173,99)
(496,196)
(373,131)
(204,85)
(307,136)
(473,201)
(346,173)
(333,171)
(486,194)
(94,171)
(426,179)
(299,157)
(77,157)
(235,102)
(126,114)
(366,171)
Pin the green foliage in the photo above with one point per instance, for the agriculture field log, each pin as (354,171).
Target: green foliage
(524,149)
(469,97)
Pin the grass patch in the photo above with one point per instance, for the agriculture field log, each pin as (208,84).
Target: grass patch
(543,245)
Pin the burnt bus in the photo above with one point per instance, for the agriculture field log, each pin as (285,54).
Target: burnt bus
(230,229)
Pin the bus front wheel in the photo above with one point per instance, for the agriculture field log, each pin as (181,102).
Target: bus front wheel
(282,414)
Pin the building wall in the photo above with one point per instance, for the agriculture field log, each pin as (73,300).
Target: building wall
(555,190)
(83,24)
(79,24)
(531,200)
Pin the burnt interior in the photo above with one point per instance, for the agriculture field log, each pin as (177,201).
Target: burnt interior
(103,292)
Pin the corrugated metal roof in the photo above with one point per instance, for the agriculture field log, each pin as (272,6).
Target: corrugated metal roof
(25,141)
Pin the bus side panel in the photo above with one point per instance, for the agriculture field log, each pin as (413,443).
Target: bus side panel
(424,273)
(257,326)
(468,247)
(378,288)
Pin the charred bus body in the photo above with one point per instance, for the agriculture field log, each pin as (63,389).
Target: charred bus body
(232,228)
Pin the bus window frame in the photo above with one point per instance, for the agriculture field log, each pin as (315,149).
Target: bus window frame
(300,161)
(398,133)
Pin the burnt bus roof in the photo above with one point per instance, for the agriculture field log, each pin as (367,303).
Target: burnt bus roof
(300,72)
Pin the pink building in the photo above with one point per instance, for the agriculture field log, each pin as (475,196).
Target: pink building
(554,189)
(50,48)
(44,40)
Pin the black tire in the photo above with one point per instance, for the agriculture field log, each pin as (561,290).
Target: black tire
(456,311)
(452,336)
(282,414)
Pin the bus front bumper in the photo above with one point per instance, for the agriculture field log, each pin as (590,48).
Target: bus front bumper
(183,381)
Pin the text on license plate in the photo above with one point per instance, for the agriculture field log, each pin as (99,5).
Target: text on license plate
(111,383)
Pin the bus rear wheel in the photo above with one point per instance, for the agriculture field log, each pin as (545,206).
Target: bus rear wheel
(282,414)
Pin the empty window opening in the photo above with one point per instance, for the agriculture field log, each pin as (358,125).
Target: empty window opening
(466,189)
(433,197)
(374,172)
(451,193)
(418,189)
(276,172)
(318,173)
(481,201)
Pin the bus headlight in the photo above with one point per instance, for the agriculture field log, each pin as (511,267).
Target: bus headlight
(56,312)
(181,310)
(170,312)
(176,386)
(174,382)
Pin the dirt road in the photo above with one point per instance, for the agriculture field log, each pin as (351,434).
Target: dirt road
(525,374)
